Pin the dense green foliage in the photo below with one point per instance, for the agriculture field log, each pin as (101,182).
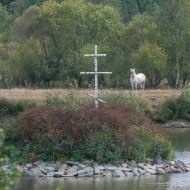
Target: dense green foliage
(42,42)
(13,108)
(175,107)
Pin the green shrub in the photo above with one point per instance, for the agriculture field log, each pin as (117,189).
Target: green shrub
(175,107)
(102,147)
(136,102)
(161,149)
(32,151)
(13,108)
(148,144)
(69,101)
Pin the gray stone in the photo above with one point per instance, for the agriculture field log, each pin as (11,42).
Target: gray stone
(161,166)
(118,173)
(129,174)
(140,165)
(89,174)
(57,165)
(71,170)
(71,163)
(135,171)
(75,167)
(50,169)
(158,161)
(133,163)
(72,174)
(62,170)
(177,170)
(88,169)
(151,171)
(187,168)
(44,172)
(58,174)
(148,166)
(50,174)
(81,172)
(29,166)
(42,165)
(81,166)
(101,167)
(125,169)
(108,174)
(124,165)
(31,174)
(169,169)
(179,165)
(172,163)
(97,170)
(141,171)
(111,168)
(35,170)
(160,171)
(153,167)
(21,168)
(147,174)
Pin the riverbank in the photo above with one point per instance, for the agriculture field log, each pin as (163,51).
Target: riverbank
(88,169)
(176,124)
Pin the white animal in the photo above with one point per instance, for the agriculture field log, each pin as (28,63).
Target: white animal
(136,79)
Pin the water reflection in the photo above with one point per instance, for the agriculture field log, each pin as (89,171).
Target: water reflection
(181,142)
(179,138)
(134,183)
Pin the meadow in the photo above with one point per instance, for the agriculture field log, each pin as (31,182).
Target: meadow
(16,94)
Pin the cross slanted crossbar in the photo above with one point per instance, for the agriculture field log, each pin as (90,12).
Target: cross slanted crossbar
(96,73)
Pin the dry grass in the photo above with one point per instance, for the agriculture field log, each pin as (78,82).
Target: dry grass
(38,95)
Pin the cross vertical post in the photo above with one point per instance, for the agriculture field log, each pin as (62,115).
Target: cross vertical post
(96,76)
(96,93)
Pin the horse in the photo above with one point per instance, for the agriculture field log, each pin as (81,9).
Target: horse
(136,79)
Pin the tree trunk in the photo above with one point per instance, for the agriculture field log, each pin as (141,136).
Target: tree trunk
(177,75)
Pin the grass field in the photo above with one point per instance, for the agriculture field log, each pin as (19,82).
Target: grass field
(16,94)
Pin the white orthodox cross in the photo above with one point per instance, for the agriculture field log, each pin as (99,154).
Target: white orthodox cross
(96,73)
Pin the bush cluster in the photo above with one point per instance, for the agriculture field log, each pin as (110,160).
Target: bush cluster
(175,107)
(12,107)
(136,102)
(108,134)
(69,101)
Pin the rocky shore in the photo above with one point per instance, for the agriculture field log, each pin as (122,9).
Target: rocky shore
(87,169)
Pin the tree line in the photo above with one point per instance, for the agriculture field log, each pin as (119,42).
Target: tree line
(42,43)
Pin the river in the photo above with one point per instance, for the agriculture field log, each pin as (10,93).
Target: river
(181,141)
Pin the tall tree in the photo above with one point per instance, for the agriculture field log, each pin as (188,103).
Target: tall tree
(63,30)
(151,60)
(140,30)
(174,24)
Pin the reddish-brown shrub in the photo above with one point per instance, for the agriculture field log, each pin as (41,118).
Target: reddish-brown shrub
(57,124)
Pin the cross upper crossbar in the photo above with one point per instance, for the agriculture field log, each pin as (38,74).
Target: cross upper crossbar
(94,73)
(95,55)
